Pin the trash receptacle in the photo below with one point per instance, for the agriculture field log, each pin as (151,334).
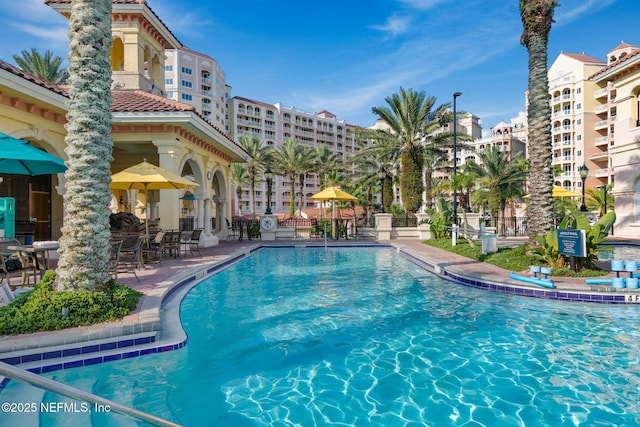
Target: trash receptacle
(489,243)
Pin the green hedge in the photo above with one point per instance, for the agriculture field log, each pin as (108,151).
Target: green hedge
(41,308)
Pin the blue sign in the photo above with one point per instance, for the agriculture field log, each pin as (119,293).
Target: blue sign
(572,242)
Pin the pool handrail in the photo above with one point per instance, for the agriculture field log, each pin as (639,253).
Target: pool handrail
(44,383)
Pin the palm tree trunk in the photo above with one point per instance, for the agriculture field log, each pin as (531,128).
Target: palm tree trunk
(84,245)
(537,19)
(252,191)
(292,198)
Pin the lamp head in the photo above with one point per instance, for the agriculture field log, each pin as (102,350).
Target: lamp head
(584,171)
(456,94)
(268,175)
(382,173)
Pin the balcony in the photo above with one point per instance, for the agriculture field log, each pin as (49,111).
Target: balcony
(602,124)
(602,140)
(601,173)
(600,93)
(601,109)
(599,157)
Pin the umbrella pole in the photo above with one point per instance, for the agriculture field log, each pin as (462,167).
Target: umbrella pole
(146,202)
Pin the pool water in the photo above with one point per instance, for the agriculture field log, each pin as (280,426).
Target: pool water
(622,252)
(363,337)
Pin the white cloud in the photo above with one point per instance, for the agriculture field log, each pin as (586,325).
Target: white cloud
(394,26)
(53,35)
(423,4)
(570,10)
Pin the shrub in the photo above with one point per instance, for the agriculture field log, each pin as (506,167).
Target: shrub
(42,308)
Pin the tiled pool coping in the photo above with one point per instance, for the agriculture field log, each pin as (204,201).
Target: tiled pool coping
(100,350)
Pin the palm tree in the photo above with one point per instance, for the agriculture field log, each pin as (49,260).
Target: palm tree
(537,19)
(259,157)
(326,161)
(381,153)
(46,67)
(84,245)
(291,160)
(596,201)
(239,177)
(410,117)
(504,177)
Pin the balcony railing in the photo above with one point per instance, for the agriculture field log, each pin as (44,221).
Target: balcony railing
(600,93)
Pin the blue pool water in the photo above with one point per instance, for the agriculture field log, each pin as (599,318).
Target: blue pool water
(363,337)
(622,252)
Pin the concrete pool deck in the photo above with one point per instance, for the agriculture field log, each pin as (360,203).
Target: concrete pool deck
(143,331)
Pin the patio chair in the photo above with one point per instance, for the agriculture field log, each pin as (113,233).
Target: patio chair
(130,258)
(232,231)
(194,241)
(152,251)
(170,244)
(16,263)
(115,258)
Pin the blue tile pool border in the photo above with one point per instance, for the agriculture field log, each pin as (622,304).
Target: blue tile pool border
(554,294)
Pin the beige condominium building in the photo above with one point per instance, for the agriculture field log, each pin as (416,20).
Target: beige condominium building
(276,123)
(198,80)
(617,134)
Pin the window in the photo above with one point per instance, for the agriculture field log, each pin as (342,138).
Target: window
(579,153)
(186,70)
(168,67)
(187,97)
(579,122)
(168,81)
(579,90)
(187,83)
(579,106)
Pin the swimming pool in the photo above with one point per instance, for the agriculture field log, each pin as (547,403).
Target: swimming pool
(363,337)
(622,252)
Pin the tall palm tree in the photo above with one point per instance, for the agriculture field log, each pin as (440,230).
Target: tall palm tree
(503,177)
(239,177)
(260,155)
(326,161)
(291,160)
(596,200)
(410,116)
(307,165)
(47,66)
(537,19)
(84,245)
(381,152)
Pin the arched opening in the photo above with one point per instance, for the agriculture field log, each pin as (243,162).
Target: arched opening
(117,55)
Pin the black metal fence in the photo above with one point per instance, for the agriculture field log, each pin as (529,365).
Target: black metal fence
(511,226)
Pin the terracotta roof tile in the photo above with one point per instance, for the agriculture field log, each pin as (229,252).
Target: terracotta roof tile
(61,90)
(614,64)
(583,58)
(139,101)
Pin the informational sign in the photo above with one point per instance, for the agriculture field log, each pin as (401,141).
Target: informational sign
(572,243)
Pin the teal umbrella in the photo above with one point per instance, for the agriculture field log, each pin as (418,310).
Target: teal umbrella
(18,157)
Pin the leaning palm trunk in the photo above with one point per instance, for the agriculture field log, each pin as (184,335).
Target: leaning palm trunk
(84,245)
(537,18)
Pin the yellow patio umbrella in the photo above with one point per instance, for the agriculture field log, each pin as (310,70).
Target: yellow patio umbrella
(560,192)
(333,194)
(145,176)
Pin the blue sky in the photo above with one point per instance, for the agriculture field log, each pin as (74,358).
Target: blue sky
(346,56)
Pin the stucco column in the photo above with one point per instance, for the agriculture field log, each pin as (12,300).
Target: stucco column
(383,226)
(200,212)
(169,154)
(424,229)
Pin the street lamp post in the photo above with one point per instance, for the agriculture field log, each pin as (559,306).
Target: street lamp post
(455,158)
(584,172)
(382,174)
(268,175)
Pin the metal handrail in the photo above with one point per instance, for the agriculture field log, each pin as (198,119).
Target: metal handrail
(30,378)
